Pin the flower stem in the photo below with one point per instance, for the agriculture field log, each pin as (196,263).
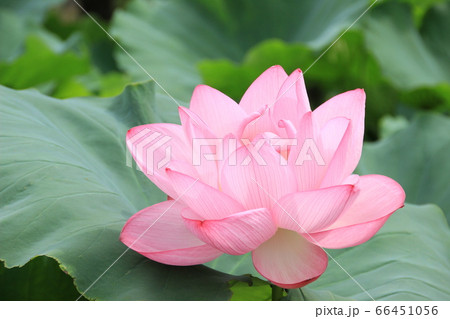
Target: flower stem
(277,293)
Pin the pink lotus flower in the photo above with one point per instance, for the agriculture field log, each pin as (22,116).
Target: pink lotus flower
(233,190)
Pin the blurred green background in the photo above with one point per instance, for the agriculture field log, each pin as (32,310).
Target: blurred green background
(399,52)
